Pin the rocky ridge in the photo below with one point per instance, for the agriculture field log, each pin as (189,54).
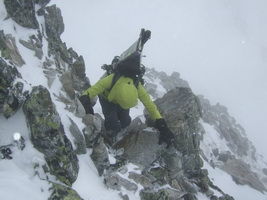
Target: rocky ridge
(175,173)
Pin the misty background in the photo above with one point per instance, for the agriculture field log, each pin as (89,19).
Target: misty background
(219,47)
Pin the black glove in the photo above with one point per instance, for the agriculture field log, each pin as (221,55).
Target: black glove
(86,102)
(165,135)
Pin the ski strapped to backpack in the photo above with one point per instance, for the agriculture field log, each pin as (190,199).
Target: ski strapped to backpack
(129,62)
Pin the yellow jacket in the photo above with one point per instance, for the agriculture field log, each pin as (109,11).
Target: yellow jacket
(124,93)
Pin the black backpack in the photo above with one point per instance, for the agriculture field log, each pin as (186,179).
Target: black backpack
(129,62)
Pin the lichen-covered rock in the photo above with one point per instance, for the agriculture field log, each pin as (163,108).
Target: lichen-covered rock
(22,12)
(14,100)
(162,194)
(11,96)
(48,136)
(63,193)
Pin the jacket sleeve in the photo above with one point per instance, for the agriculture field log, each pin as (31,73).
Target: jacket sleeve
(148,103)
(99,87)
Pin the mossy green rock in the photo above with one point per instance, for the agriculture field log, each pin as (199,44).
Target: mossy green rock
(63,193)
(48,136)
(11,97)
(162,194)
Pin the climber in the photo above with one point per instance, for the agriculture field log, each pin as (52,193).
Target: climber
(117,101)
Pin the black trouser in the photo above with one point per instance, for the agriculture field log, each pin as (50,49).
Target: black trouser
(116,117)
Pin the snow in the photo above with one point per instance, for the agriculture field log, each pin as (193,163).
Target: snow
(18,179)
(225,182)
(211,141)
(89,185)
(17,184)
(22,177)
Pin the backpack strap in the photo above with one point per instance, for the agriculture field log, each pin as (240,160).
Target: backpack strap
(114,80)
(117,76)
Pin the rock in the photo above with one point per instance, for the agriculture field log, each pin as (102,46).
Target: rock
(189,196)
(42,3)
(242,174)
(50,74)
(188,185)
(224,156)
(11,96)
(124,197)
(100,156)
(226,197)
(161,194)
(48,136)
(181,109)
(227,127)
(63,192)
(54,27)
(79,140)
(9,49)
(54,22)
(22,12)
(92,130)
(136,126)
(140,179)
(34,44)
(141,147)
(157,175)
(14,100)
(151,88)
(116,182)
(67,83)
(79,67)
(168,82)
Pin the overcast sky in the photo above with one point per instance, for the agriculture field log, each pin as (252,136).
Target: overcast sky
(219,47)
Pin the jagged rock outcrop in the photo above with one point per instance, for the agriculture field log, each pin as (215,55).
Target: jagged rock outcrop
(9,49)
(100,156)
(48,136)
(22,12)
(180,166)
(35,44)
(226,125)
(240,147)
(165,81)
(79,139)
(47,132)
(63,192)
(11,95)
(242,174)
